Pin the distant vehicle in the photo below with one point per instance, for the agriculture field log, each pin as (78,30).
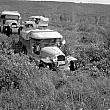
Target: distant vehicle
(10,22)
(39,20)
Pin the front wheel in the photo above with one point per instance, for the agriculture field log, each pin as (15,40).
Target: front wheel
(42,64)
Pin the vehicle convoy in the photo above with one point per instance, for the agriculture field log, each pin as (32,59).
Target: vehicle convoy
(35,39)
(43,45)
(10,22)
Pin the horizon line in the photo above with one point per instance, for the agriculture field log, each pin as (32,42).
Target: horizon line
(69,1)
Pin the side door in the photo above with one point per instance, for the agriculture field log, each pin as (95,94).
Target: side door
(33,50)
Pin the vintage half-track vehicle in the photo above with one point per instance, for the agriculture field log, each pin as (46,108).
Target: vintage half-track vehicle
(10,22)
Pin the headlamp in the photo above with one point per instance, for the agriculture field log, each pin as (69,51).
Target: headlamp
(54,59)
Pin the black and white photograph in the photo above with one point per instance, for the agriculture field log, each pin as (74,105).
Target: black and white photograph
(54,54)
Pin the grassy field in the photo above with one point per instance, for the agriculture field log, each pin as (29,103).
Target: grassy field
(25,87)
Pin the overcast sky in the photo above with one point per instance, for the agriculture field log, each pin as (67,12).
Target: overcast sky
(78,1)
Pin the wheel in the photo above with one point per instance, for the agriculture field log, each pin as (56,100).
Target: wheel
(42,64)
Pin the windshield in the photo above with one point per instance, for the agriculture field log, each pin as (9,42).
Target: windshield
(41,43)
(45,42)
(49,42)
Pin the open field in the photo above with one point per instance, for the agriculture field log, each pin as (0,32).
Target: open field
(25,87)
(57,10)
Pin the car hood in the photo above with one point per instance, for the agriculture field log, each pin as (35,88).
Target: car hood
(51,51)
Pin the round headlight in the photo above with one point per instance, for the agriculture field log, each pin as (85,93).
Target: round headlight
(54,59)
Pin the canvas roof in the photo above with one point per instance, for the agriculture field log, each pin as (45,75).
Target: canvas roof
(10,13)
(34,17)
(45,34)
(41,34)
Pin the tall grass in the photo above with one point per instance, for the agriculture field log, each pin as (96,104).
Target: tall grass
(25,87)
